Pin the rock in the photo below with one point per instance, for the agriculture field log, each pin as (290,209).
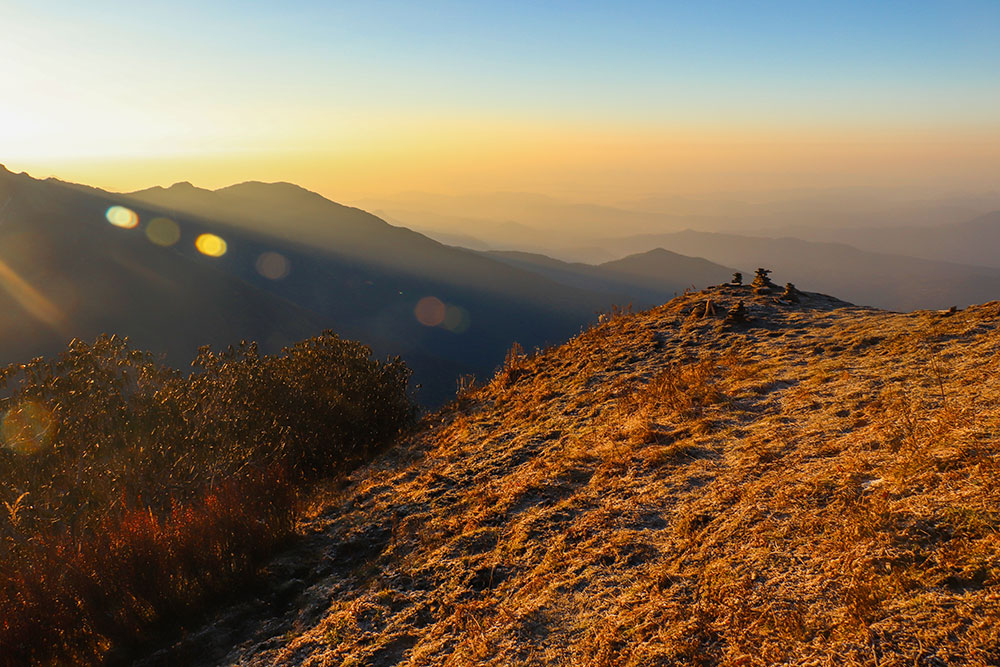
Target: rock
(761,283)
(737,314)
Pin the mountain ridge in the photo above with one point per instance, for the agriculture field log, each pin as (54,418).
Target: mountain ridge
(894,282)
(367,289)
(648,278)
(968,242)
(810,481)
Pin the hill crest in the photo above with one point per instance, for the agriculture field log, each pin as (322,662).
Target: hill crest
(818,483)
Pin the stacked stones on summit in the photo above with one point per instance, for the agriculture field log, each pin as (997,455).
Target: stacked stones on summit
(737,279)
(737,314)
(761,283)
(790,293)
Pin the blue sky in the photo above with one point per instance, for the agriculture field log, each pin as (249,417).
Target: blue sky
(186,77)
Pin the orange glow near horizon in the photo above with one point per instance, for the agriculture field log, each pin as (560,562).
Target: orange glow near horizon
(586,102)
(597,166)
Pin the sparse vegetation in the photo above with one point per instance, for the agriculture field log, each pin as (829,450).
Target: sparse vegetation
(131,491)
(667,490)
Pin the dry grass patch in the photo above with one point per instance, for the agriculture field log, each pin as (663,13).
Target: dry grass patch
(815,487)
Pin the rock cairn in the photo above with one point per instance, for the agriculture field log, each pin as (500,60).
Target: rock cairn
(737,314)
(790,293)
(761,283)
(737,279)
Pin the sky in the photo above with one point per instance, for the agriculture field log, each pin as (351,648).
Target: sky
(594,101)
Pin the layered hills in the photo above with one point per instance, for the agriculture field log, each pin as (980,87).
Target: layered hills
(296,262)
(292,264)
(648,278)
(65,273)
(870,252)
(805,482)
(893,281)
(974,241)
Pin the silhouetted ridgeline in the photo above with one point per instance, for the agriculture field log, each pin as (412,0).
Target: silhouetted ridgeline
(275,264)
(132,491)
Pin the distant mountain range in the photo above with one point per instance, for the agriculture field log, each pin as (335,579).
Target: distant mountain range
(294,264)
(66,272)
(975,241)
(648,278)
(574,232)
(889,281)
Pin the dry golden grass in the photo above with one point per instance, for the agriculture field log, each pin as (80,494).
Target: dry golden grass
(819,487)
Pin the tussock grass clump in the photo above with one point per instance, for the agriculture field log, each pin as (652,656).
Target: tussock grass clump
(684,388)
(131,490)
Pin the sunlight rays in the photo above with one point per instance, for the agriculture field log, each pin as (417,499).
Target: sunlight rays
(28,297)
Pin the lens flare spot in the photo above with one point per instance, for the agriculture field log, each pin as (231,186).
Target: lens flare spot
(430,311)
(273,265)
(27,428)
(163,231)
(119,216)
(211,245)
(456,319)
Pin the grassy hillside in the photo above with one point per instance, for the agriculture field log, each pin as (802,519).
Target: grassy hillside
(818,485)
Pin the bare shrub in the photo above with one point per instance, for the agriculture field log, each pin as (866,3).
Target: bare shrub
(133,491)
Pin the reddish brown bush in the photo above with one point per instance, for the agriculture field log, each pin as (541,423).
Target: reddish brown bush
(131,490)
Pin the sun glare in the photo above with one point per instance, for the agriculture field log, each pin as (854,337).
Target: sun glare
(211,245)
(273,265)
(27,428)
(28,296)
(456,319)
(163,232)
(119,216)
(432,312)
